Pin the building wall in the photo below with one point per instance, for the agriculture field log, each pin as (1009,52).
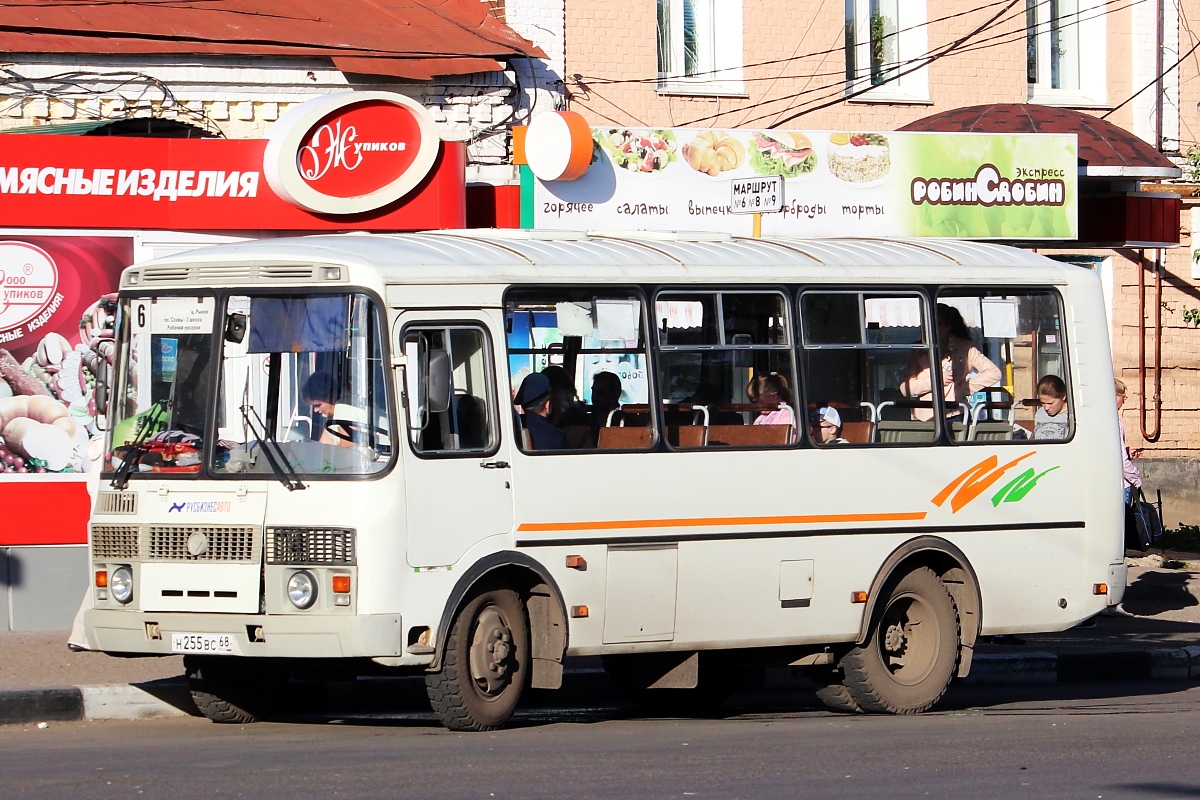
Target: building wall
(240,99)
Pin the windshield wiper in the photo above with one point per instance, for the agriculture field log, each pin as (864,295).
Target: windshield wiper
(271,449)
(155,414)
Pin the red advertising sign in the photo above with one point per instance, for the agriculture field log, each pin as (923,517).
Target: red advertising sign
(215,185)
(350,152)
(56,343)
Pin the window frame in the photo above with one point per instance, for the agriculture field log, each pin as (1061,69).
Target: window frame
(1092,90)
(927,343)
(724,77)
(911,43)
(494,425)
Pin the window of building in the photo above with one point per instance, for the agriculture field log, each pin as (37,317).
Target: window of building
(591,346)
(1065,51)
(885,42)
(725,369)
(700,47)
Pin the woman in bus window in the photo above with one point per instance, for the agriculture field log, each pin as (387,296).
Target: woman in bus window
(769,391)
(963,370)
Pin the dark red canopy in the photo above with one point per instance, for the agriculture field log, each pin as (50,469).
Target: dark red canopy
(1105,150)
(414,39)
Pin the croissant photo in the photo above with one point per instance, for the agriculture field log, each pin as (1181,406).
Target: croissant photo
(714,152)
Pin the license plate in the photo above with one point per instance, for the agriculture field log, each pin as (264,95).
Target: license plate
(216,643)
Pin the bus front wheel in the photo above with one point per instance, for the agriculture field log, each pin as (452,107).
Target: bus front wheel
(486,666)
(912,649)
(232,690)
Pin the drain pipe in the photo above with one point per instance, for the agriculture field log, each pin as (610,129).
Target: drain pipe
(1157,396)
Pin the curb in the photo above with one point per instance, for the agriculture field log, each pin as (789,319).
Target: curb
(170,698)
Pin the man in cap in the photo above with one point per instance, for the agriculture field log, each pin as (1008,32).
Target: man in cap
(534,397)
(826,426)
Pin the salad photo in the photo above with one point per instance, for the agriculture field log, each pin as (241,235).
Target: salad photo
(786,153)
(639,150)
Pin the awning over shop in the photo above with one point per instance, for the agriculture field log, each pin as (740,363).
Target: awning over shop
(1105,150)
(412,39)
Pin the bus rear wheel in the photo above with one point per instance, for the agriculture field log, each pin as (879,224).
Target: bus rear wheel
(911,652)
(228,689)
(486,666)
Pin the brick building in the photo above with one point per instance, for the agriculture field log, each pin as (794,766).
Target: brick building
(881,65)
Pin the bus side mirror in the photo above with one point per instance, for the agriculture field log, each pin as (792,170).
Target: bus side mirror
(101,399)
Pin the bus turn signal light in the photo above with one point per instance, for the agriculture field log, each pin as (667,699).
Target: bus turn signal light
(576,562)
(101,578)
(858,597)
(1100,588)
(579,611)
(341,584)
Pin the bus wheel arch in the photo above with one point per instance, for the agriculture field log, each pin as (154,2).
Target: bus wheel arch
(544,609)
(954,568)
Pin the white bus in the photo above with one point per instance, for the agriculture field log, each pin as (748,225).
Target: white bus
(315,453)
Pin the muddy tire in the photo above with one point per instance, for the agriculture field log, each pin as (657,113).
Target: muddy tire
(486,667)
(912,650)
(830,689)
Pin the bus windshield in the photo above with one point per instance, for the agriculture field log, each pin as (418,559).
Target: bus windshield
(296,387)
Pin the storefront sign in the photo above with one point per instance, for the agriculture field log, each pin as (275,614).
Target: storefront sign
(837,183)
(356,180)
(350,152)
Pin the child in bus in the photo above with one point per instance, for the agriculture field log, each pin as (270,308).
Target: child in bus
(769,391)
(1051,421)
(825,425)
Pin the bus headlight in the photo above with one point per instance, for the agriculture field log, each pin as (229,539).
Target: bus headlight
(120,583)
(302,590)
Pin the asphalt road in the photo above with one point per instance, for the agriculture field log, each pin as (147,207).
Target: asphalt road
(1083,741)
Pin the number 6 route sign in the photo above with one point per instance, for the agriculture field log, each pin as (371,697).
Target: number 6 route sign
(757,195)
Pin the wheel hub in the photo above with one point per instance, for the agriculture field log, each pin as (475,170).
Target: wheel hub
(895,639)
(491,652)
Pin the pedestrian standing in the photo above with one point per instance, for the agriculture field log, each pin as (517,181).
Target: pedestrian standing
(1133,478)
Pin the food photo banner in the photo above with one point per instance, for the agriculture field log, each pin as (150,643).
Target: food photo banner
(836,183)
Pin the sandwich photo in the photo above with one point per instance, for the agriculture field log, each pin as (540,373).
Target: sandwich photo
(786,153)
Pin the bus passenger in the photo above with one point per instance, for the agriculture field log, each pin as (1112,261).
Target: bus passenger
(825,424)
(964,370)
(769,391)
(1050,421)
(606,398)
(534,397)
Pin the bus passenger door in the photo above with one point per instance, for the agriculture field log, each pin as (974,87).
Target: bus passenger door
(457,477)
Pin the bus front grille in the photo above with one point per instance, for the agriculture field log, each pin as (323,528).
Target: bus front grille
(114,542)
(200,543)
(311,546)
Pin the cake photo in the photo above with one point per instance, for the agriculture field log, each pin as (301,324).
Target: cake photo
(859,158)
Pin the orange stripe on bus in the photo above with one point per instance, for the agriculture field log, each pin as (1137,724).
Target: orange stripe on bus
(701,522)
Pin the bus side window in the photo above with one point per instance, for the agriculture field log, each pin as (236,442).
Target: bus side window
(461,422)
(1022,333)
(857,348)
(589,346)
(726,375)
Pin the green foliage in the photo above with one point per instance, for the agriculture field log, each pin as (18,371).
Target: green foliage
(1191,172)
(1191,316)
(1185,538)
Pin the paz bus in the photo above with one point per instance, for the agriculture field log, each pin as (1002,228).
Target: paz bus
(316,455)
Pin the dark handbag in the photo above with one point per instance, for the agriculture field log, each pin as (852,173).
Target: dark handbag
(1143,525)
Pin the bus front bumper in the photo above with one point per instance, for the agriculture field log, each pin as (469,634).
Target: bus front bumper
(257,635)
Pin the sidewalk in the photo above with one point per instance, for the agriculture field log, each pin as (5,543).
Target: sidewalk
(1153,634)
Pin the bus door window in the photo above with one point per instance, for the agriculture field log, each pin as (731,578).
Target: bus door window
(857,347)
(591,347)
(303,387)
(458,417)
(1021,332)
(725,368)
